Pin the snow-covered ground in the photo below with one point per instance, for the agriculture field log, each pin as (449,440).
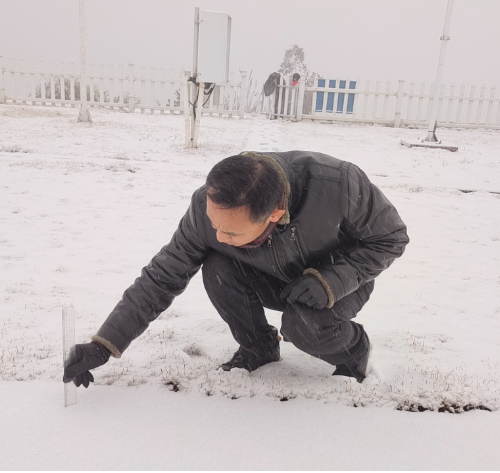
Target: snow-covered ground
(85,207)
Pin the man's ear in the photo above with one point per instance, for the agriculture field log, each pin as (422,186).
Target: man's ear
(277,214)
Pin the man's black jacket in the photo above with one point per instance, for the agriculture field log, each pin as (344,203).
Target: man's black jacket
(337,226)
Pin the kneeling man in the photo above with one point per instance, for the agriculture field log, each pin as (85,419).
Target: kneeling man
(299,232)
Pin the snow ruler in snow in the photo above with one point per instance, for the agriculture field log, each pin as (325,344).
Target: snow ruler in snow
(68,323)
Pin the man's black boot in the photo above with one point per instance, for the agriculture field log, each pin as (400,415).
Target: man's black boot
(251,360)
(355,369)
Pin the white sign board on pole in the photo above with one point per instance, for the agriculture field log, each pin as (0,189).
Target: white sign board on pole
(213,47)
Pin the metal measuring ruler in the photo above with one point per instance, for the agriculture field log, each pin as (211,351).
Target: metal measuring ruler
(68,323)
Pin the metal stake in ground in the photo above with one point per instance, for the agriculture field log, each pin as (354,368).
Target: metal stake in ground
(431,140)
(68,325)
(84,114)
(431,136)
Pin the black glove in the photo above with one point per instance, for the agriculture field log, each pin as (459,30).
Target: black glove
(85,357)
(306,290)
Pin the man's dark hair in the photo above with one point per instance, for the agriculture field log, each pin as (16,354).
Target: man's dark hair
(244,181)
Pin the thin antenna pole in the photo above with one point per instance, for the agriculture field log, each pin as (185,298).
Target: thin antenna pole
(84,114)
(194,74)
(437,84)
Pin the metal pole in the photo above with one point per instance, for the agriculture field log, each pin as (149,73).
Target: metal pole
(2,89)
(437,84)
(187,118)
(199,109)
(194,72)
(84,114)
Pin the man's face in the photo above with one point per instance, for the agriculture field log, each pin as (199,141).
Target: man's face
(233,226)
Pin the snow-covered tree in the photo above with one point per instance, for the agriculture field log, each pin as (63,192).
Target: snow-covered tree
(294,61)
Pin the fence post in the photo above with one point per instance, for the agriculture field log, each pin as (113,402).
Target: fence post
(131,104)
(300,100)
(243,94)
(399,103)
(2,89)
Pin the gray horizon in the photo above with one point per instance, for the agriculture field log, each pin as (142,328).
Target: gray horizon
(362,39)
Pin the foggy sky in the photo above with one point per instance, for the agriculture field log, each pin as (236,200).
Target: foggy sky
(385,39)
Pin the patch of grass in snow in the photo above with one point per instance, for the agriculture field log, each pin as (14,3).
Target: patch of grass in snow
(194,174)
(121,156)
(444,407)
(120,370)
(24,288)
(14,149)
(415,387)
(414,188)
(120,167)
(136,381)
(75,166)
(172,383)
(19,361)
(170,313)
(193,350)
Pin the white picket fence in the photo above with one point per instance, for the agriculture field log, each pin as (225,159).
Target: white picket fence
(116,87)
(348,101)
(153,90)
(465,109)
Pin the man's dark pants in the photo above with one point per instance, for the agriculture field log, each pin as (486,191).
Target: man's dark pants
(240,293)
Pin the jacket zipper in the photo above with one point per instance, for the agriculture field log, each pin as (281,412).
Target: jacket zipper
(295,239)
(269,245)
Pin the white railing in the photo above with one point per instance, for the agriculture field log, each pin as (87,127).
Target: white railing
(400,108)
(465,109)
(131,88)
(368,102)
(151,90)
